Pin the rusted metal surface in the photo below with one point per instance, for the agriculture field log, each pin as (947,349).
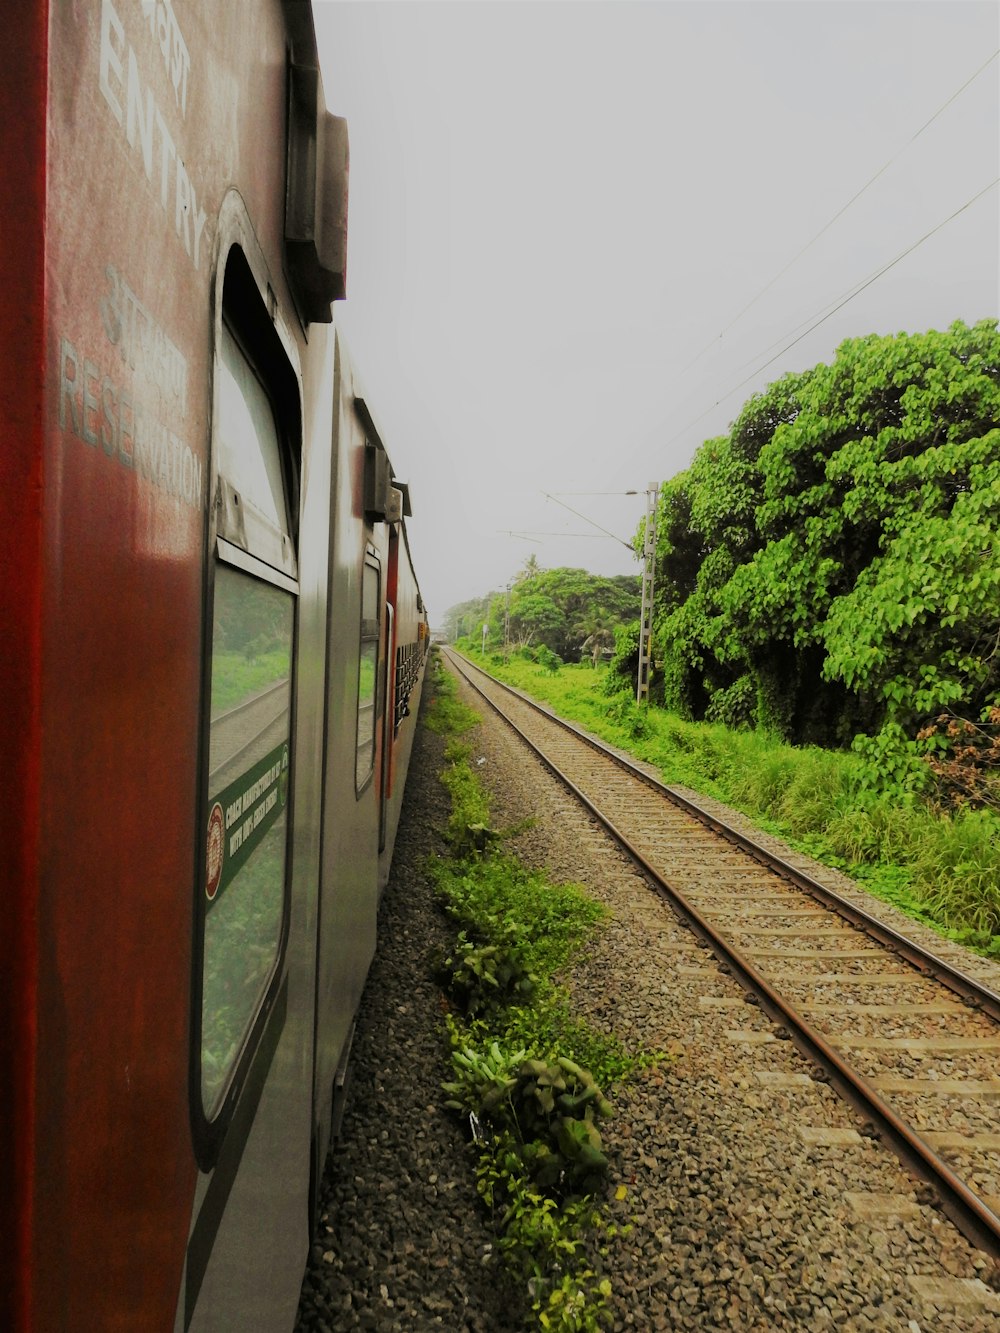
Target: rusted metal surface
(743,873)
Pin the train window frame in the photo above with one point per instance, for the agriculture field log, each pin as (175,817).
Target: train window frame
(369,633)
(264,555)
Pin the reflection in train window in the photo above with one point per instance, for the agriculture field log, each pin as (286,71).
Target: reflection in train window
(249,451)
(367,676)
(248,792)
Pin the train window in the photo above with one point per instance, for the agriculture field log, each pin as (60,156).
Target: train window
(248,441)
(367,674)
(248,782)
(249,730)
(253,511)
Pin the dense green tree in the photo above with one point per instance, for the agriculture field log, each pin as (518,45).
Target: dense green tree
(466,618)
(832,567)
(568,611)
(529,569)
(597,628)
(563,608)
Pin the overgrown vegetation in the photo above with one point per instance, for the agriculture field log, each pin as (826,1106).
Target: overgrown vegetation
(562,614)
(829,570)
(942,865)
(527,1076)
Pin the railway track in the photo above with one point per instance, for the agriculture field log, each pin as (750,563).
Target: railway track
(905,1037)
(247,731)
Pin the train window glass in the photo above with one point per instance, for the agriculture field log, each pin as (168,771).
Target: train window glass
(367,675)
(248,781)
(254,511)
(249,452)
(253,619)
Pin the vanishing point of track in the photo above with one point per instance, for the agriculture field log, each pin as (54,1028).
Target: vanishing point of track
(918,1063)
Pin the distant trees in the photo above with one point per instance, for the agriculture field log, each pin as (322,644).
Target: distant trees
(832,565)
(567,611)
(466,618)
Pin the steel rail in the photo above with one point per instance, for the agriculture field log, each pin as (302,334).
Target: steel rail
(247,745)
(977,1222)
(244,704)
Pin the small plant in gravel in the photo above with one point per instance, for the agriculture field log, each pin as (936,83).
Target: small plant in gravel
(468,824)
(543,1111)
(542,1239)
(480,977)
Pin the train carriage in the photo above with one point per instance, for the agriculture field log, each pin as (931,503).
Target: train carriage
(212,649)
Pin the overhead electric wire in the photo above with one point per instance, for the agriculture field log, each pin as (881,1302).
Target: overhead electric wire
(588,520)
(840,301)
(530,536)
(856,291)
(840,212)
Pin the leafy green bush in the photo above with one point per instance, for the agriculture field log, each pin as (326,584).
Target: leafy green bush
(481,977)
(546,1111)
(548,660)
(736,705)
(632,718)
(623,669)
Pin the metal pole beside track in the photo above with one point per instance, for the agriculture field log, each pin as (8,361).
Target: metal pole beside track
(646,614)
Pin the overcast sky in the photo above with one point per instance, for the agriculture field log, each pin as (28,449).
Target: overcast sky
(557,208)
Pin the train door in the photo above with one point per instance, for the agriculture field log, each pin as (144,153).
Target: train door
(250,1097)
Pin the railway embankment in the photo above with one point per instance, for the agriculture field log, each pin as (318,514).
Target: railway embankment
(752,1197)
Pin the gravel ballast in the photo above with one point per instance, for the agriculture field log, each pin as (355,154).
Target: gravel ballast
(754,1201)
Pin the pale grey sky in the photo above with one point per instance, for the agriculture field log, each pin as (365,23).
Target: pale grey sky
(557,206)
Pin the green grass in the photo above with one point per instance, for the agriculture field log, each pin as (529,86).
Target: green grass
(235,677)
(446,714)
(943,869)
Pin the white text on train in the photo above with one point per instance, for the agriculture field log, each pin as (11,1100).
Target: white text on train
(101,412)
(135,109)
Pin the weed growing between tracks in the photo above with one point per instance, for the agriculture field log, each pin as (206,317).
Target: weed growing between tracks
(527,1074)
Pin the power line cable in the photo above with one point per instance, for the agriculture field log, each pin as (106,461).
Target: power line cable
(856,291)
(839,301)
(588,520)
(840,212)
(587,536)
